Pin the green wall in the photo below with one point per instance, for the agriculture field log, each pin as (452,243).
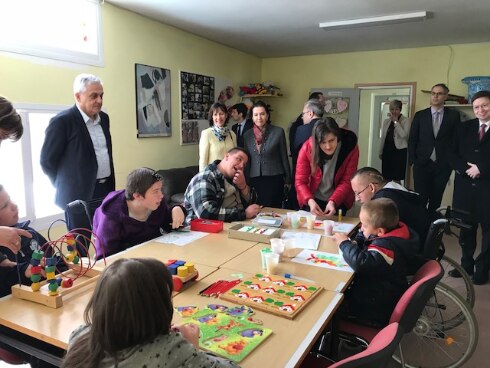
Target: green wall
(128,39)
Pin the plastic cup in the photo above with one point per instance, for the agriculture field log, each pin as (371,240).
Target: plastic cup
(310,222)
(328,227)
(277,245)
(263,253)
(271,263)
(295,220)
(288,217)
(288,248)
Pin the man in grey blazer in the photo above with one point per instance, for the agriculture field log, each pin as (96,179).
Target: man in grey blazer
(77,150)
(430,136)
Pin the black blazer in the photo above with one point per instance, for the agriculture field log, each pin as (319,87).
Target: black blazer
(421,141)
(472,195)
(248,125)
(68,156)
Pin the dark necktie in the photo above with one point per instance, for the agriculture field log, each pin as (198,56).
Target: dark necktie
(481,133)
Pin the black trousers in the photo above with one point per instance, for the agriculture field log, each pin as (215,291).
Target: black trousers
(430,182)
(269,189)
(467,240)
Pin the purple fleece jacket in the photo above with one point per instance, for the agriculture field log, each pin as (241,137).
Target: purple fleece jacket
(116,231)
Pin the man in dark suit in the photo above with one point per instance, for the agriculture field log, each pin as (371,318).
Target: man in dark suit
(238,113)
(470,158)
(430,136)
(77,150)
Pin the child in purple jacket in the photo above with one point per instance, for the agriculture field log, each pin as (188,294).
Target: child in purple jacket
(134,215)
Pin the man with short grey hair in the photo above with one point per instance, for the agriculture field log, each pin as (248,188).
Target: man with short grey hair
(312,111)
(77,150)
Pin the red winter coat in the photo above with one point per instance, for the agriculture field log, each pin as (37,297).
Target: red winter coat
(307,183)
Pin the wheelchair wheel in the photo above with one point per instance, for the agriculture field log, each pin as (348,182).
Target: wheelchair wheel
(463,285)
(436,341)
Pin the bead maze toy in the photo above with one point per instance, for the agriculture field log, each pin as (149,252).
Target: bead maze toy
(182,273)
(49,259)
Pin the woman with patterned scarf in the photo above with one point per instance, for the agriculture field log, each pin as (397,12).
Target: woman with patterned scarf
(268,166)
(216,140)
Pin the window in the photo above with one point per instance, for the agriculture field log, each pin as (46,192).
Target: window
(67,30)
(21,172)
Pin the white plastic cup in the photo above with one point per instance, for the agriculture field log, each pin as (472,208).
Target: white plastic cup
(288,217)
(263,253)
(295,217)
(328,227)
(271,263)
(277,245)
(310,222)
(288,248)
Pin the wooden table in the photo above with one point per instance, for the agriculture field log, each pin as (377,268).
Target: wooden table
(212,250)
(291,339)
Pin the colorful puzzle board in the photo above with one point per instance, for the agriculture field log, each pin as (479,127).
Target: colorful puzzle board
(228,332)
(322,259)
(273,294)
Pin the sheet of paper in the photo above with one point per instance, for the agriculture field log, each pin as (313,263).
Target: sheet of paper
(322,259)
(181,238)
(303,240)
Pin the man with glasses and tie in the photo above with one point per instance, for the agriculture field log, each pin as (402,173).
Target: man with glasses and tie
(430,136)
(470,158)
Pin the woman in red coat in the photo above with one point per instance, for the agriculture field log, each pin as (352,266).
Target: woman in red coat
(325,165)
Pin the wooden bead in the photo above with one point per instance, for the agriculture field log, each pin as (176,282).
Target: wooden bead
(182,271)
(180,263)
(53,286)
(35,262)
(70,257)
(35,278)
(67,283)
(76,260)
(52,293)
(50,269)
(50,276)
(38,254)
(35,270)
(35,286)
(51,261)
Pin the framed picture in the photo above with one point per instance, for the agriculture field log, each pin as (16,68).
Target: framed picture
(153,117)
(196,96)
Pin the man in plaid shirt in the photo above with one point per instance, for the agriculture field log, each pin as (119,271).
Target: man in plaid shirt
(220,191)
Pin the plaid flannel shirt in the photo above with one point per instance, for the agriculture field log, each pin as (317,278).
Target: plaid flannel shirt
(205,194)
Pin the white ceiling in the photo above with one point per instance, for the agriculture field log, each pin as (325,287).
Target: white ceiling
(276,28)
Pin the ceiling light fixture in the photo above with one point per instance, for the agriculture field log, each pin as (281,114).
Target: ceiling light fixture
(374,21)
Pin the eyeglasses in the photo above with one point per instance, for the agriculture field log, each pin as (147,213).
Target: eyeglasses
(438,93)
(304,112)
(357,194)
(154,174)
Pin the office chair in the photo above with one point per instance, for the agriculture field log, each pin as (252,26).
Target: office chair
(79,215)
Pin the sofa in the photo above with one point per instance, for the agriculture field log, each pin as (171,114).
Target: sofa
(175,183)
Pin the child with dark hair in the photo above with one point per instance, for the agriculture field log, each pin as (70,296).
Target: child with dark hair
(134,215)
(138,333)
(379,255)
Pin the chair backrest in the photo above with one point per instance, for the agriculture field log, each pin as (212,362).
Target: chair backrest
(378,353)
(79,215)
(412,303)
(433,241)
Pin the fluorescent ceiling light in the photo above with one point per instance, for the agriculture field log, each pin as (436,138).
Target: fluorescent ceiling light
(374,21)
